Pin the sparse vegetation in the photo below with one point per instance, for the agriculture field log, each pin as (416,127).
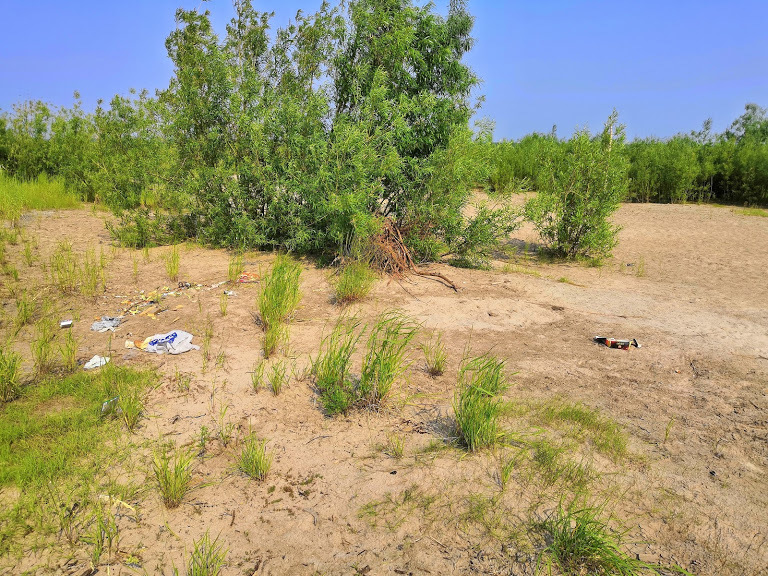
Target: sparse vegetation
(236,267)
(278,377)
(10,371)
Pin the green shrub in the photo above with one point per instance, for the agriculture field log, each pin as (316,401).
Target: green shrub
(583,185)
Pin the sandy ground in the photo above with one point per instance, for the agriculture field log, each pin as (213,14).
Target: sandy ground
(688,282)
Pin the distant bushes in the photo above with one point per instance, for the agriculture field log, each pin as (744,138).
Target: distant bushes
(731,167)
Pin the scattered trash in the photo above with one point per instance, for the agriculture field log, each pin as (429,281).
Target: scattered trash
(248,278)
(106,323)
(65,324)
(230,292)
(110,406)
(175,342)
(96,362)
(184,285)
(214,286)
(614,343)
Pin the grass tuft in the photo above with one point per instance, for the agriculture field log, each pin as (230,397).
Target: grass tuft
(581,542)
(434,355)
(208,557)
(385,359)
(236,267)
(278,299)
(278,377)
(254,460)
(331,368)
(354,283)
(173,473)
(172,260)
(476,403)
(10,370)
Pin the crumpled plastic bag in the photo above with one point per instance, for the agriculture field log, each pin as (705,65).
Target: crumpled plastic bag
(175,342)
(96,362)
(106,323)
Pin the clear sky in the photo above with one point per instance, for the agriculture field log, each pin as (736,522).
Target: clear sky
(666,66)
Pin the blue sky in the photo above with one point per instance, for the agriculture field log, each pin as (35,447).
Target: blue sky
(666,66)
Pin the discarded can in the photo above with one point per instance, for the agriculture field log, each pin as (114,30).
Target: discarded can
(65,324)
(616,343)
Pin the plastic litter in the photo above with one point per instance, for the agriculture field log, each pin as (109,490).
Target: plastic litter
(230,292)
(109,406)
(248,277)
(615,343)
(96,362)
(65,324)
(106,323)
(174,342)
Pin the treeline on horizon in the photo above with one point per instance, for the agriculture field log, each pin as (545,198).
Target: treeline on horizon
(121,155)
(730,167)
(349,123)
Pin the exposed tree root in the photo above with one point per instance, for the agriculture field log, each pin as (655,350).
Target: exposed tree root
(389,254)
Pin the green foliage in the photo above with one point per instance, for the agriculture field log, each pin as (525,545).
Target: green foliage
(664,171)
(476,403)
(278,299)
(354,282)
(254,460)
(235,268)
(584,185)
(173,472)
(278,377)
(208,557)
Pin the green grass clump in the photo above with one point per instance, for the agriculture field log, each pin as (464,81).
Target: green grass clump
(476,403)
(41,345)
(331,368)
(384,362)
(208,557)
(434,355)
(354,283)
(173,472)
(38,194)
(56,429)
(605,434)
(581,542)
(254,460)
(385,359)
(172,260)
(68,351)
(278,377)
(278,299)
(10,371)
(236,267)
(25,310)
